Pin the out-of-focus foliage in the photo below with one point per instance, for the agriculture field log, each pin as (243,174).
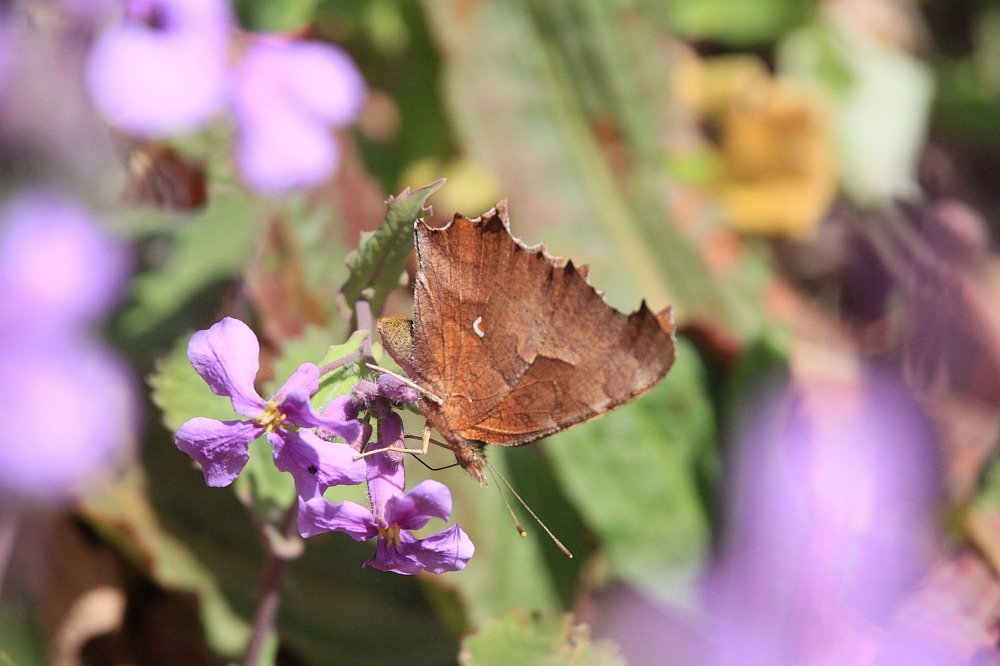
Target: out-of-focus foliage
(810,184)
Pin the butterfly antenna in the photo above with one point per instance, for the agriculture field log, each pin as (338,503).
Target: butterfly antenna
(495,473)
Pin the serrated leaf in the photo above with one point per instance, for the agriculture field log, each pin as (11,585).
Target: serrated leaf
(213,245)
(635,477)
(537,638)
(375,267)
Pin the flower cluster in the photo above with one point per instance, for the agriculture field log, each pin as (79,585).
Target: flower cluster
(169,66)
(303,444)
(59,275)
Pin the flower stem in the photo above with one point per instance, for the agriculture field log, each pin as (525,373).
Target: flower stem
(278,556)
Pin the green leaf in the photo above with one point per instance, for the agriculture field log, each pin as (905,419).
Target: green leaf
(530,108)
(735,22)
(285,16)
(376,266)
(507,571)
(213,245)
(636,475)
(538,639)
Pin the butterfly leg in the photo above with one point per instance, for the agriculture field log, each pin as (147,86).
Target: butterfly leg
(421,451)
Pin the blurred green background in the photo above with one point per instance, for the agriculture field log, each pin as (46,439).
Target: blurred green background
(695,153)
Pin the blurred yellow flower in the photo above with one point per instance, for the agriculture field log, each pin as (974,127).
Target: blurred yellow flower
(776,172)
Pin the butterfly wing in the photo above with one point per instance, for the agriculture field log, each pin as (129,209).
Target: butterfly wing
(588,365)
(517,343)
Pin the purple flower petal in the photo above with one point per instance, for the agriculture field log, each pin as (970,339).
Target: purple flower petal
(318,515)
(300,412)
(448,550)
(164,69)
(220,447)
(46,456)
(429,499)
(391,435)
(226,357)
(279,150)
(341,408)
(286,96)
(321,78)
(305,380)
(337,411)
(57,269)
(445,551)
(315,464)
(386,479)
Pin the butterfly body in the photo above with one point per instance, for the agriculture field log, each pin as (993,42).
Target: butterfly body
(516,343)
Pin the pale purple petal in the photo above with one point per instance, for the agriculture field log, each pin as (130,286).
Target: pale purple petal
(342,409)
(300,412)
(164,69)
(278,149)
(429,499)
(318,515)
(305,380)
(226,357)
(45,455)
(448,550)
(287,97)
(57,269)
(314,463)
(220,447)
(321,79)
(835,493)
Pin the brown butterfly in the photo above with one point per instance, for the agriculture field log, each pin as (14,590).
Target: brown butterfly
(516,343)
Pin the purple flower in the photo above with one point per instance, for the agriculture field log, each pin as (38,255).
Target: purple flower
(393,515)
(48,460)
(834,504)
(286,97)
(57,269)
(163,69)
(58,274)
(226,357)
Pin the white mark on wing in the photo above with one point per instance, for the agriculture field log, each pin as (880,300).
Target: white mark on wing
(475,327)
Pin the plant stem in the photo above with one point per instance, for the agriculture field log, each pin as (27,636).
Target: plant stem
(278,555)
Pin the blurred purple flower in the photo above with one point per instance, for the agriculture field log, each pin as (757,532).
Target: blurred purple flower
(58,275)
(393,515)
(286,97)
(45,459)
(226,357)
(51,247)
(831,523)
(163,69)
